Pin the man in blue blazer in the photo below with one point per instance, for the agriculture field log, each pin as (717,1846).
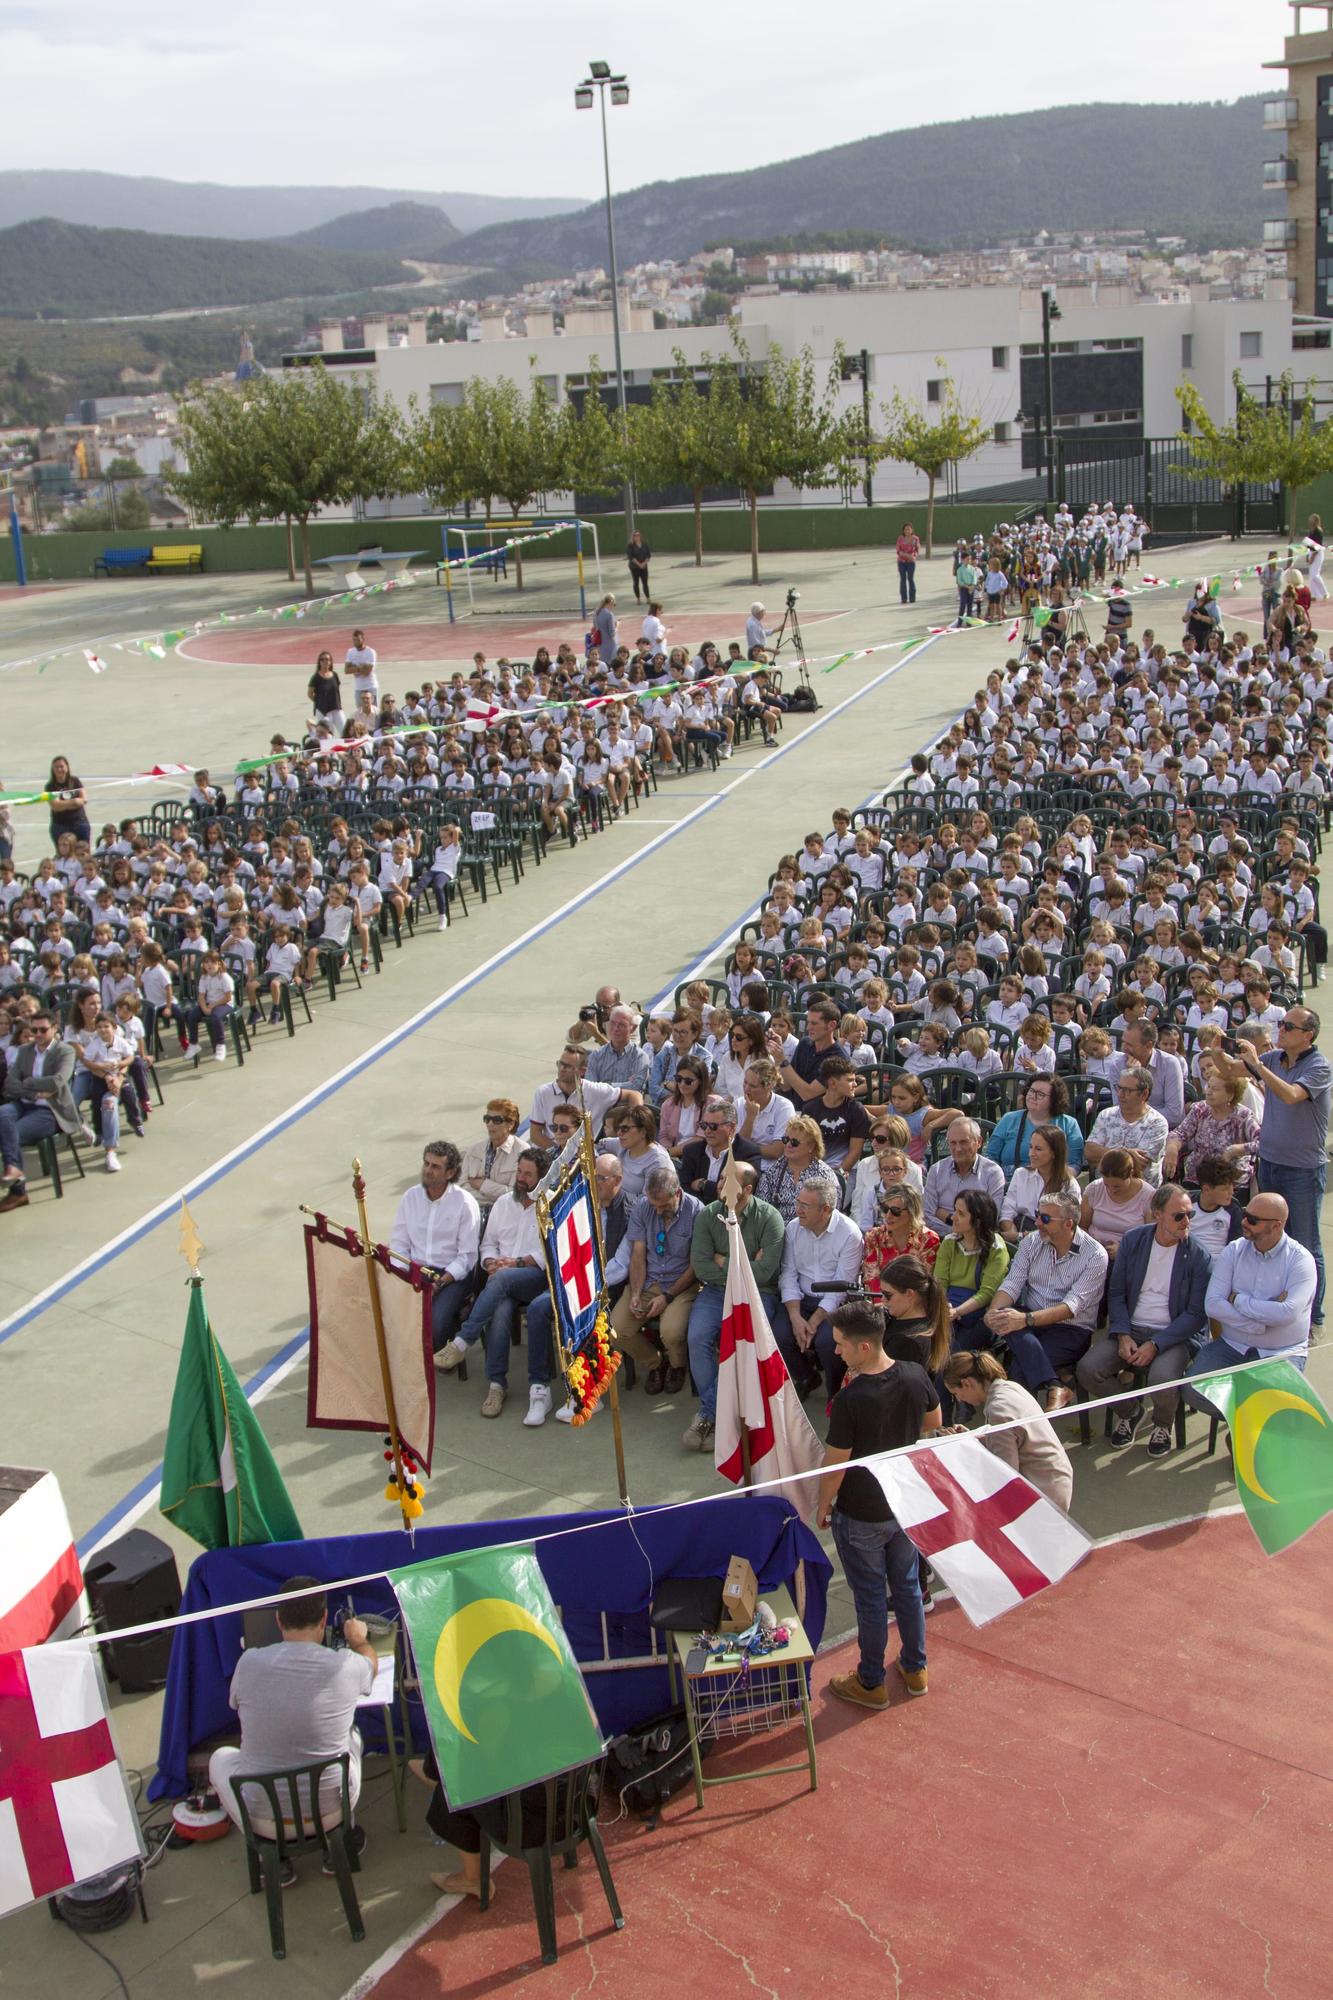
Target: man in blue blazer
(1155,1316)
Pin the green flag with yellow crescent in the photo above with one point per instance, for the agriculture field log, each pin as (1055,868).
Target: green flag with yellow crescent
(1281,1446)
(505,1702)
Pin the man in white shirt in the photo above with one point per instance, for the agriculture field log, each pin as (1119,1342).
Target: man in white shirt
(361,662)
(1260,1297)
(596,1098)
(756,634)
(823,1245)
(511,1256)
(437,1226)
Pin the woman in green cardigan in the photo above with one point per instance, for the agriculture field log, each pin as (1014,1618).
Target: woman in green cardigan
(970,1263)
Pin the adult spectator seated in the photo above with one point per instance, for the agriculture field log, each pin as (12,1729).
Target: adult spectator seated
(800,1077)
(765,1239)
(637,1149)
(682,1040)
(822,1247)
(613,1215)
(1120,1200)
(662,1284)
(1045,1102)
(900,1230)
(844,1123)
(1217,1127)
(1154,1317)
(966,1167)
(1216,1220)
(1259,1297)
(621,1059)
(971,1262)
(438,1226)
(681,1115)
(1140,1051)
(1050,1301)
(511,1257)
(569,1087)
(297,1701)
(1028,1444)
(886,1162)
(1047,1172)
(702,1161)
(1298,1086)
(1132,1126)
(781,1180)
(489,1166)
(917,1326)
(38,1102)
(765,1112)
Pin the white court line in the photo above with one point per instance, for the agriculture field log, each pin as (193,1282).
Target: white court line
(202,1181)
(387,1960)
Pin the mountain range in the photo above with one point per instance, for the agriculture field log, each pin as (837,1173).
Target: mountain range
(399,229)
(1188,169)
(205,208)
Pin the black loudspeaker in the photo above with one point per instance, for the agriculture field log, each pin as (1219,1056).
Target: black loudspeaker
(132,1582)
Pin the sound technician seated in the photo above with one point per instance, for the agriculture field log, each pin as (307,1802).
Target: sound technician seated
(296,1702)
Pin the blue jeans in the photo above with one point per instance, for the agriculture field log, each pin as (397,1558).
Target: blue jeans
(705,1337)
(1037,1357)
(21,1128)
(104,1104)
(876,1554)
(964,602)
(907,582)
(216,1018)
(492,1315)
(819,1357)
(541,1344)
(1214,1356)
(446,1310)
(1302,1188)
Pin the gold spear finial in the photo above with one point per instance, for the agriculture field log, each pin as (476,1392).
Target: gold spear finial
(730,1185)
(191,1249)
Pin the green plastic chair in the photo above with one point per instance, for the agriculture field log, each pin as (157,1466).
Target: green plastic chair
(295,1813)
(569,1819)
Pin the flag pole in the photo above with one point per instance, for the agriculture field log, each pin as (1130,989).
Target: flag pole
(381,1344)
(729,1187)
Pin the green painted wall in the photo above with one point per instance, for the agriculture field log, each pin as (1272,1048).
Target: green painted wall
(59,556)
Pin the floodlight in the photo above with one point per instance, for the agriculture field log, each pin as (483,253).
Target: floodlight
(601,70)
(583,97)
(620,93)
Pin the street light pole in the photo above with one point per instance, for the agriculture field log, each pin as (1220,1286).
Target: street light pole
(1049,311)
(599,78)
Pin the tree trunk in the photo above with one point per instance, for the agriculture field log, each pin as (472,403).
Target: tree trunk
(518,558)
(305,555)
(698,527)
(291,553)
(930,515)
(754,535)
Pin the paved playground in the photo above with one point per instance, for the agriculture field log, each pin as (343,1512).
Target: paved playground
(92,1301)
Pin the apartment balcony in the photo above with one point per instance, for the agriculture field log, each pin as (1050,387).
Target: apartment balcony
(1280,114)
(1280,235)
(1280,173)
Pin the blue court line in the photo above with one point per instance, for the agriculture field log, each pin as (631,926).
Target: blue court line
(109,1521)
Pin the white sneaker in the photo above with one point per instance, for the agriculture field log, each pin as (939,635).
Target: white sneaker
(444,922)
(112,1160)
(539,1405)
(190,1051)
(565,1414)
(220,1052)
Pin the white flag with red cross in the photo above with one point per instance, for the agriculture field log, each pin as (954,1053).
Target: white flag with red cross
(65,1808)
(481,713)
(755,1394)
(994,1539)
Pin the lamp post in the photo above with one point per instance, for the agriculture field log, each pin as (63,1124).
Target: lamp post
(1049,311)
(598,81)
(858,364)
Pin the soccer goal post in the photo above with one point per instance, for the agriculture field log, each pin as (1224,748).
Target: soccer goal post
(472,549)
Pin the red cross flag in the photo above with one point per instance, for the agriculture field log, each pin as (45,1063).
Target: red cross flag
(481,713)
(755,1394)
(574,1257)
(65,1809)
(988,1532)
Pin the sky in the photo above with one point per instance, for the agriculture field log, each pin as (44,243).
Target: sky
(441,94)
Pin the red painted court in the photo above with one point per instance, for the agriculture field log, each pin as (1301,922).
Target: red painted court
(1123,1789)
(435,642)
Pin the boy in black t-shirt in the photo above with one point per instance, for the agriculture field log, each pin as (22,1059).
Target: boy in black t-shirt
(882,1405)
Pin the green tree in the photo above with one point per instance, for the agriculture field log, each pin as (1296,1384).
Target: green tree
(680,437)
(514,444)
(931,438)
(786,427)
(1265,444)
(122,467)
(130,511)
(289,445)
(593,453)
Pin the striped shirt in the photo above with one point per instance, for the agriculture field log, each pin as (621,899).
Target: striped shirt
(1037,1278)
(627,1067)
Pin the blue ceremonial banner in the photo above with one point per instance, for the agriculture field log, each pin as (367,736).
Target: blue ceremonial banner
(567,1216)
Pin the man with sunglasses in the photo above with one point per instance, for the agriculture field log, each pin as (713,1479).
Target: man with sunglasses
(1155,1317)
(702,1161)
(1259,1296)
(1051,1298)
(1297,1084)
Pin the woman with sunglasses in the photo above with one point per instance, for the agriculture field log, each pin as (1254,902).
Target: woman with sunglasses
(1031,1448)
(888,1135)
(682,1107)
(1046,1173)
(802,1151)
(900,1232)
(638,1150)
(490,1166)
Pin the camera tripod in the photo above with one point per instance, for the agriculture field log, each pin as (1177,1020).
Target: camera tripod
(789,634)
(1076,627)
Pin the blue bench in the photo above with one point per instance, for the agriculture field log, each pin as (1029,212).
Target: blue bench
(114,562)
